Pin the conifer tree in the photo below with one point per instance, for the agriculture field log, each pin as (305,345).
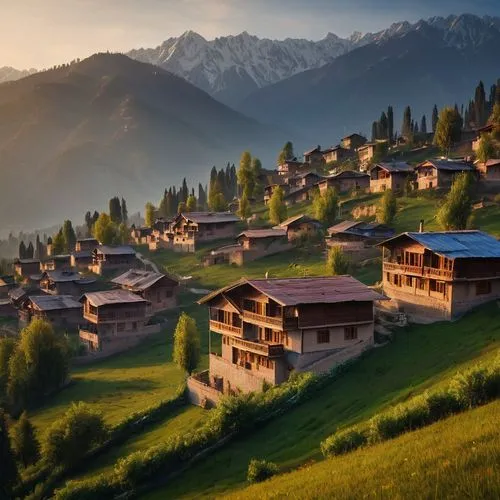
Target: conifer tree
(88,224)
(22,250)
(480,105)
(435,117)
(115,210)
(448,129)
(58,243)
(184,191)
(374,131)
(25,443)
(245,174)
(38,248)
(258,189)
(390,124)
(124,212)
(30,251)
(69,236)
(383,132)
(407,129)
(423,125)
(286,153)
(191,203)
(8,468)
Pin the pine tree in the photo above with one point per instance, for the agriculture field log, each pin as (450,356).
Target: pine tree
(258,189)
(186,344)
(124,212)
(22,250)
(88,223)
(435,117)
(115,210)
(374,131)
(25,444)
(170,206)
(390,124)
(8,468)
(69,236)
(191,203)
(406,129)
(30,251)
(38,248)
(480,105)
(286,153)
(58,243)
(95,216)
(423,125)
(202,197)
(184,191)
(383,127)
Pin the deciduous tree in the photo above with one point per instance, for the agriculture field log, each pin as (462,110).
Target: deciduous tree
(149,214)
(69,236)
(337,262)
(277,207)
(8,468)
(448,129)
(325,205)
(186,344)
(58,243)
(244,207)
(24,441)
(115,210)
(286,153)
(245,174)
(191,204)
(387,208)
(104,230)
(456,210)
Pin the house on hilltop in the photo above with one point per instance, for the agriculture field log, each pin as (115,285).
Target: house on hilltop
(314,158)
(338,154)
(270,327)
(439,174)
(86,244)
(300,226)
(441,275)
(353,141)
(394,176)
(63,311)
(56,262)
(108,258)
(158,289)
(346,181)
(489,170)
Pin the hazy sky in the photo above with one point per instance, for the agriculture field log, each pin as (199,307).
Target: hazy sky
(40,33)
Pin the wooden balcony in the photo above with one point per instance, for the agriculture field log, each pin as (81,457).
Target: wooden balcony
(261,320)
(265,349)
(89,336)
(429,272)
(219,327)
(114,318)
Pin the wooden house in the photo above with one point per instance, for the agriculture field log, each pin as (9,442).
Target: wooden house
(394,176)
(439,174)
(115,320)
(24,268)
(489,170)
(56,262)
(353,141)
(300,226)
(197,227)
(65,282)
(158,289)
(346,181)
(441,275)
(81,259)
(299,195)
(7,283)
(141,235)
(291,167)
(63,311)
(480,132)
(270,327)
(108,258)
(86,244)
(303,180)
(337,154)
(314,158)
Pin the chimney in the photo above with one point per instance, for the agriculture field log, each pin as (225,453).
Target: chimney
(421,226)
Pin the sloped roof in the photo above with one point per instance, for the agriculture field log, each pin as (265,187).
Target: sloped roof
(87,240)
(17,293)
(54,302)
(210,217)
(396,166)
(360,228)
(7,280)
(455,244)
(297,218)
(343,226)
(295,291)
(492,162)
(110,297)
(301,175)
(62,276)
(353,135)
(449,165)
(26,261)
(115,250)
(138,279)
(82,254)
(263,233)
(317,149)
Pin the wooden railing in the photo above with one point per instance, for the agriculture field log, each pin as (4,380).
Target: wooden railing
(90,336)
(403,268)
(439,273)
(421,271)
(111,317)
(260,318)
(218,326)
(269,350)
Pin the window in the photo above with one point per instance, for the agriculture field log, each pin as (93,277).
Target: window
(420,283)
(409,281)
(483,287)
(437,286)
(323,336)
(350,332)
(268,335)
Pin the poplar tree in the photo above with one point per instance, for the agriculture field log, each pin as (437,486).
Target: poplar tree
(115,210)
(455,212)
(423,125)
(124,211)
(277,207)
(390,124)
(244,207)
(435,117)
(245,174)
(149,214)
(387,208)
(8,468)
(186,352)
(406,129)
(69,236)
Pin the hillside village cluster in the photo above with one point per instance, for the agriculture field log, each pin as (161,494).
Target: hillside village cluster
(270,327)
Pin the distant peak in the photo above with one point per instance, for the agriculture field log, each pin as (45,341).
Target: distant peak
(192,35)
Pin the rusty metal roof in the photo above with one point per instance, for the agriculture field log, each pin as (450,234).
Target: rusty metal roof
(54,302)
(110,297)
(296,291)
(138,279)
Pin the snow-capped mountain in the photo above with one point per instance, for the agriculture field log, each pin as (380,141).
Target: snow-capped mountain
(8,73)
(232,67)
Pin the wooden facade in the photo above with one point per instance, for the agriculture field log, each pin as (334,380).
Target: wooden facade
(26,267)
(353,141)
(439,174)
(107,258)
(441,284)
(346,181)
(393,176)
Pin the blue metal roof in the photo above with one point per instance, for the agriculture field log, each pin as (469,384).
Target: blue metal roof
(459,244)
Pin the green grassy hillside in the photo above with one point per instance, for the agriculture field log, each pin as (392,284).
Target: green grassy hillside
(420,357)
(455,458)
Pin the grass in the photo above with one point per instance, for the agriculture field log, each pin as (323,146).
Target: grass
(455,458)
(419,358)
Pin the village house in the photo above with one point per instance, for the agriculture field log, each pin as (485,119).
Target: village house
(7,283)
(394,176)
(141,235)
(107,258)
(292,197)
(158,289)
(353,141)
(270,327)
(300,226)
(357,238)
(55,262)
(480,132)
(197,227)
(290,167)
(269,190)
(314,158)
(346,181)
(440,275)
(26,267)
(116,320)
(337,154)
(82,259)
(489,170)
(303,180)
(65,282)
(83,244)
(439,174)
(63,311)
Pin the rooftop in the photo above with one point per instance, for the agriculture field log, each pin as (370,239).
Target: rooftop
(111,297)
(455,244)
(359,228)
(396,166)
(7,280)
(297,218)
(263,233)
(454,166)
(27,261)
(54,302)
(210,217)
(295,291)
(115,250)
(138,279)
(17,293)
(61,276)
(87,240)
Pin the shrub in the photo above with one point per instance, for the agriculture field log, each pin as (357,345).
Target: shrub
(441,405)
(496,199)
(343,442)
(90,489)
(469,388)
(260,470)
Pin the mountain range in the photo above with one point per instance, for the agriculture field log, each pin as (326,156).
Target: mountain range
(7,73)
(232,67)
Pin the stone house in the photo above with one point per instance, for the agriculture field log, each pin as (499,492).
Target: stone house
(115,320)
(159,290)
(440,275)
(346,181)
(270,327)
(314,158)
(24,268)
(394,176)
(489,170)
(63,311)
(337,154)
(197,227)
(108,258)
(300,226)
(65,282)
(439,174)
(353,141)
